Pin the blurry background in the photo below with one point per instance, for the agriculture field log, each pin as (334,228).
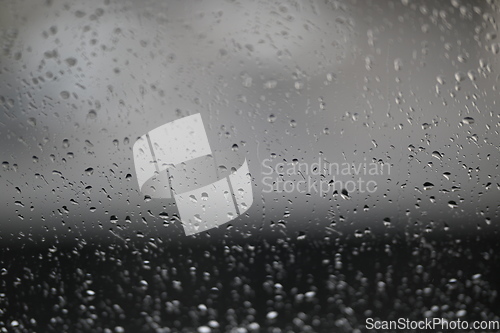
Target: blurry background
(408,83)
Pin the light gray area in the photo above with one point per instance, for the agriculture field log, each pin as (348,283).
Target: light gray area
(410,84)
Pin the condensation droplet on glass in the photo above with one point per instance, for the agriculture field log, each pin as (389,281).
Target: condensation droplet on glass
(428,185)
(398,64)
(92,114)
(270,84)
(460,76)
(437,155)
(495,48)
(468,120)
(71,61)
(204,329)
(272,315)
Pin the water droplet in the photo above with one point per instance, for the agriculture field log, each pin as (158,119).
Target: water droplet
(472,75)
(204,329)
(495,48)
(270,84)
(71,62)
(298,85)
(368,63)
(468,120)
(460,76)
(437,155)
(92,114)
(331,76)
(398,63)
(272,315)
(428,185)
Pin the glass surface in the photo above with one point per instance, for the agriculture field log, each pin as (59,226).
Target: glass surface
(257,166)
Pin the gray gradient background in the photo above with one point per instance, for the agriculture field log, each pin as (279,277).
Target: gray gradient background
(367,71)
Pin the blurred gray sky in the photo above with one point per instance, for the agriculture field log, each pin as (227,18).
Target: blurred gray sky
(350,82)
